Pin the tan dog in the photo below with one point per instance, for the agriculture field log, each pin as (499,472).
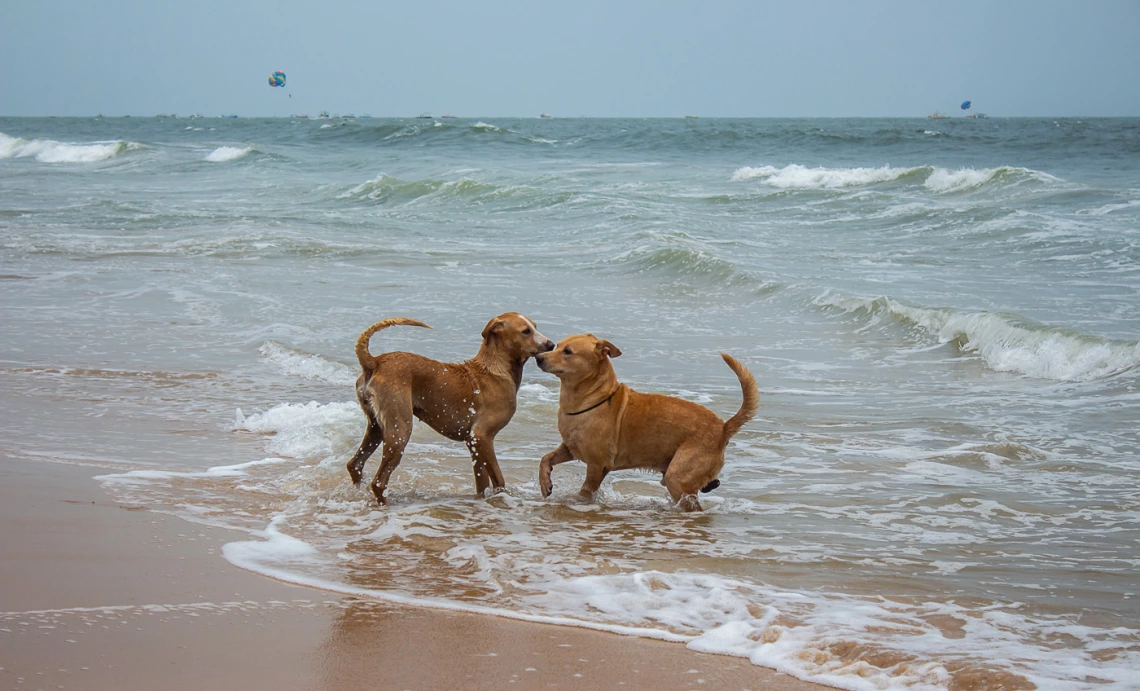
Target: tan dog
(610,426)
(468,402)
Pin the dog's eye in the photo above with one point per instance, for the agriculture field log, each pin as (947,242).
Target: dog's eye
(567,351)
(526,332)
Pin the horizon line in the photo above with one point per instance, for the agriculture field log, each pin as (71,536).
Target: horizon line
(425,116)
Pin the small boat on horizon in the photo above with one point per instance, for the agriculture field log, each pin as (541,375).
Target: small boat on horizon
(937,116)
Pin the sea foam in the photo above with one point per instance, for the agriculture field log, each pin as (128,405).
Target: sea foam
(304,431)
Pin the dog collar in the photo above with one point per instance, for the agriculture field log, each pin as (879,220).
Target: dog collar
(604,400)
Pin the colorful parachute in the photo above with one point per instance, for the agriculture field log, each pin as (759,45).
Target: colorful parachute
(277,78)
(965,104)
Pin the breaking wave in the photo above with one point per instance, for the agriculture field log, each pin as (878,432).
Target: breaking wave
(50,151)
(228,153)
(385,189)
(939,180)
(1008,342)
(306,365)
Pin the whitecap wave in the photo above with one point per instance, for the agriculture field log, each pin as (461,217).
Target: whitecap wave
(945,180)
(50,151)
(801,177)
(1009,342)
(228,153)
(935,179)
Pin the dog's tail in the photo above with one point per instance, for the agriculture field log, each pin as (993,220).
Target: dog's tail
(367,361)
(751,399)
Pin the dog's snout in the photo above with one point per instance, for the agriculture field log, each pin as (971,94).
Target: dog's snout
(548,345)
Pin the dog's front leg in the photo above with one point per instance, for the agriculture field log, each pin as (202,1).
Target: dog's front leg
(593,482)
(560,455)
(483,462)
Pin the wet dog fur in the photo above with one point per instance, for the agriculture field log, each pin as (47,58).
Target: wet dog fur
(609,426)
(469,401)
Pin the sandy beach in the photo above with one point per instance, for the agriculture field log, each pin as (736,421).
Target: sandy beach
(100,595)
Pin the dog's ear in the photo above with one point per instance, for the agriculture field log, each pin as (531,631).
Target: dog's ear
(493,326)
(608,349)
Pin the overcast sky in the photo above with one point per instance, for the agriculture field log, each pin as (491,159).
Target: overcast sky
(605,58)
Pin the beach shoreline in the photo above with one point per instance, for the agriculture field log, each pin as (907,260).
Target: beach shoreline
(101,594)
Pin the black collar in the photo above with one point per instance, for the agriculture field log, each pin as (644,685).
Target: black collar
(604,400)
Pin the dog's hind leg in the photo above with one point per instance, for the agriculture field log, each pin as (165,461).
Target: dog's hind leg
(686,476)
(397,431)
(373,435)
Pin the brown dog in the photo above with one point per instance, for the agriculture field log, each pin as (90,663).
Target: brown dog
(468,402)
(610,426)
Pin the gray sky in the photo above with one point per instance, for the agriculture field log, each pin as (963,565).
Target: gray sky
(596,58)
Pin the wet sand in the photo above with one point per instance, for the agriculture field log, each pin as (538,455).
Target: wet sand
(100,595)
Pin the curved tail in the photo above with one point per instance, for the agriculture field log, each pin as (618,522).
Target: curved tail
(367,361)
(751,399)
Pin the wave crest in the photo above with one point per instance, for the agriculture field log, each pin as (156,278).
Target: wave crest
(385,189)
(1008,342)
(795,176)
(935,179)
(228,153)
(307,365)
(51,151)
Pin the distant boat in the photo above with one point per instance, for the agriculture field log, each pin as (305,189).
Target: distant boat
(690,117)
(545,115)
(424,116)
(978,116)
(448,116)
(936,116)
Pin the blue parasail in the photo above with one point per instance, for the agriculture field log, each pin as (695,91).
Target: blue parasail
(965,105)
(277,78)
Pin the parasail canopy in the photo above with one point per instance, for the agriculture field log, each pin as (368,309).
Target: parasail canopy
(277,78)
(965,104)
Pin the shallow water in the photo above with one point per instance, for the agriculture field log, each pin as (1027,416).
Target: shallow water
(943,320)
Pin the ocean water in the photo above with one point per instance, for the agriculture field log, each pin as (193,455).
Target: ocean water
(939,491)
